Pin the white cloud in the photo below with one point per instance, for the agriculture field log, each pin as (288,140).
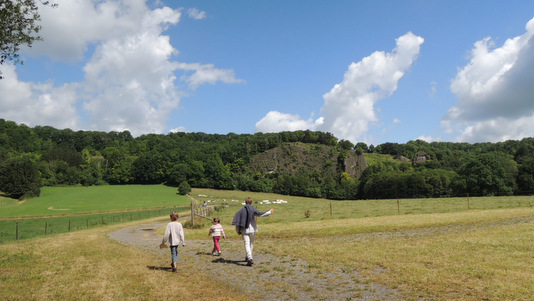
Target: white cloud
(433,89)
(208,74)
(130,77)
(498,129)
(130,80)
(179,129)
(349,107)
(37,104)
(70,28)
(196,14)
(278,122)
(495,91)
(430,139)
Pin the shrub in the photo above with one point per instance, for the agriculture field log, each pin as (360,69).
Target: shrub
(184,188)
(20,177)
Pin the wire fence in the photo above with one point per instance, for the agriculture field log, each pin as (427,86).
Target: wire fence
(26,228)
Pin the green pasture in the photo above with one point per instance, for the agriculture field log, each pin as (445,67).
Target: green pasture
(300,209)
(72,200)
(65,209)
(26,228)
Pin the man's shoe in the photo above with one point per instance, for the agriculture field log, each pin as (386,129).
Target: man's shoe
(250,262)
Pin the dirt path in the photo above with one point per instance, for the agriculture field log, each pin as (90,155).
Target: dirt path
(271,278)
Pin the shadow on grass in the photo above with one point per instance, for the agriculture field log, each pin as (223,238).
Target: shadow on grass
(222,260)
(155,268)
(228,261)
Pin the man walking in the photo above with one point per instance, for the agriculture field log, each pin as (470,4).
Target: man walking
(245,225)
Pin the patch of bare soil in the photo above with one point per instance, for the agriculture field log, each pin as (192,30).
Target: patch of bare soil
(271,278)
(52,208)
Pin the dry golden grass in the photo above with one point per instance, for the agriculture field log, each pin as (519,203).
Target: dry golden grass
(87,265)
(464,255)
(460,255)
(483,259)
(467,255)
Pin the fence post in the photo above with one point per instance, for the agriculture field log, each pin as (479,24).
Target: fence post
(398,206)
(192,215)
(17,232)
(468,205)
(46,227)
(331,211)
(69,225)
(87,223)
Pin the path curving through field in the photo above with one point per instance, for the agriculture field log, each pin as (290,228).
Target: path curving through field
(271,278)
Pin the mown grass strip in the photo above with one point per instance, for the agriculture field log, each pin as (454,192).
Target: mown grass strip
(484,255)
(87,265)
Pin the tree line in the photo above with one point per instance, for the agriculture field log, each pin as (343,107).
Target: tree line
(44,156)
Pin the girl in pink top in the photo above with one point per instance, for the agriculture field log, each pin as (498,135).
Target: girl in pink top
(216,231)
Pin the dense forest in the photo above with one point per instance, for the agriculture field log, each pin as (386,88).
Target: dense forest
(304,163)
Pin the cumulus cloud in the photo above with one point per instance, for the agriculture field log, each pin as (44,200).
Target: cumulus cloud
(73,25)
(179,129)
(130,73)
(349,107)
(130,80)
(275,121)
(37,104)
(494,91)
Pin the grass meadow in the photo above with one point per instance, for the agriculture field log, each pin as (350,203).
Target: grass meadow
(87,265)
(435,249)
(65,209)
(71,200)
(430,249)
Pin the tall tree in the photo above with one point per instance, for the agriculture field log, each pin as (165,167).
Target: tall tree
(489,174)
(19,26)
(20,177)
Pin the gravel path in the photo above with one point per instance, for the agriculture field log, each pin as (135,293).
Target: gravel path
(275,278)
(271,278)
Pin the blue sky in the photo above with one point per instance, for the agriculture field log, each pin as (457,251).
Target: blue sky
(365,71)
